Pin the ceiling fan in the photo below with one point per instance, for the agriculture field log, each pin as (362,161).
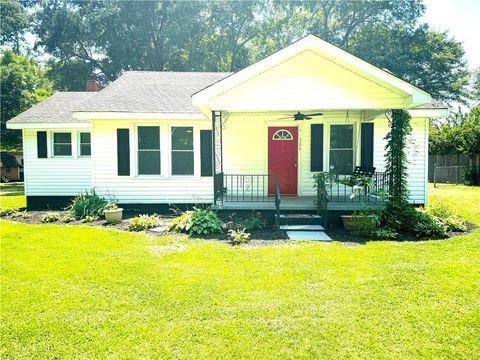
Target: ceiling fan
(300,116)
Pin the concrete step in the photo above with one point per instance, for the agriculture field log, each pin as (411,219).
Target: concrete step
(308,235)
(301,227)
(299,219)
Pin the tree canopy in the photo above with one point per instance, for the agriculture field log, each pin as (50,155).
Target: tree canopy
(81,40)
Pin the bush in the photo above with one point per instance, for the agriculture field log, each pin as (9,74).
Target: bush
(89,218)
(364,222)
(88,204)
(142,222)
(454,223)
(445,217)
(50,217)
(427,226)
(7,211)
(197,221)
(67,218)
(384,234)
(239,236)
(254,222)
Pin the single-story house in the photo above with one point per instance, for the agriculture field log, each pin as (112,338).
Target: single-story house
(235,140)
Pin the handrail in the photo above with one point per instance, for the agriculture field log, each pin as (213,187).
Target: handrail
(248,187)
(277,202)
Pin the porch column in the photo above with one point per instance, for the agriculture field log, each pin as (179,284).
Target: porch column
(217,158)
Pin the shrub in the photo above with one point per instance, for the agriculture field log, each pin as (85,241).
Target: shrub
(7,211)
(142,222)
(364,222)
(454,223)
(445,217)
(427,226)
(89,218)
(67,218)
(50,217)
(88,204)
(239,236)
(197,221)
(23,214)
(384,234)
(254,222)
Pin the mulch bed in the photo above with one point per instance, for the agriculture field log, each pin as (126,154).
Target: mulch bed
(262,237)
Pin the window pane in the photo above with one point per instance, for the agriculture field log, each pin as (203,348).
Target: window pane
(63,138)
(149,162)
(341,137)
(182,162)
(149,137)
(85,138)
(85,150)
(182,138)
(342,161)
(62,150)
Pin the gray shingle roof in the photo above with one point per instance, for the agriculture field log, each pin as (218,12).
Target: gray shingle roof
(152,91)
(55,109)
(435,104)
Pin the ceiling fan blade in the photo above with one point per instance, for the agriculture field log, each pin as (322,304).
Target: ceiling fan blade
(316,114)
(307,117)
(284,118)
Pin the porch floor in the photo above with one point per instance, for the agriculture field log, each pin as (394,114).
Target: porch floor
(302,203)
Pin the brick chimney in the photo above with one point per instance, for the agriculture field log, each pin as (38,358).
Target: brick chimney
(92,85)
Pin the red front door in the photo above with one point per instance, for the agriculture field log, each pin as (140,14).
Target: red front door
(282,158)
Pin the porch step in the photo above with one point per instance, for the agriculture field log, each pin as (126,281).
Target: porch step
(308,235)
(299,219)
(301,227)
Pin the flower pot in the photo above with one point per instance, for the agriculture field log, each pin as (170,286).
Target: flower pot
(114,215)
(348,222)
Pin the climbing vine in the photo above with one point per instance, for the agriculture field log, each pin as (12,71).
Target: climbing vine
(396,157)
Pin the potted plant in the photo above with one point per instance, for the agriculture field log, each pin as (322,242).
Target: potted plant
(360,221)
(468,176)
(113,214)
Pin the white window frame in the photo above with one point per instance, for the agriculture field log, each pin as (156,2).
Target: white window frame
(329,148)
(137,150)
(79,145)
(52,144)
(194,151)
(280,139)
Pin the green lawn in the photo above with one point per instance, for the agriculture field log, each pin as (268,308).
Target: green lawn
(82,292)
(11,195)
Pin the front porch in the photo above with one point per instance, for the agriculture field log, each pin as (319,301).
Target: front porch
(262,192)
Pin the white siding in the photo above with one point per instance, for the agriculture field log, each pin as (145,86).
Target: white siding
(55,176)
(245,147)
(147,189)
(417,150)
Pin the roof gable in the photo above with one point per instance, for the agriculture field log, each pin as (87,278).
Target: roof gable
(411,95)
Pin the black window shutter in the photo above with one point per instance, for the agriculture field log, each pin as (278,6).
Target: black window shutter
(123,152)
(367,145)
(41,144)
(206,152)
(316,147)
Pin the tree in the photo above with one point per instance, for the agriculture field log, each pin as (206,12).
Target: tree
(14,23)
(23,84)
(430,60)
(476,86)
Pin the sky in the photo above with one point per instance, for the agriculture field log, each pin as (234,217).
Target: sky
(462,19)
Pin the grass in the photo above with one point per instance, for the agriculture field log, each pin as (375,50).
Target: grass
(463,200)
(11,195)
(82,292)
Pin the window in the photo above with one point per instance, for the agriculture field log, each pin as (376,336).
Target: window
(85,147)
(62,144)
(148,150)
(282,135)
(341,149)
(182,151)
